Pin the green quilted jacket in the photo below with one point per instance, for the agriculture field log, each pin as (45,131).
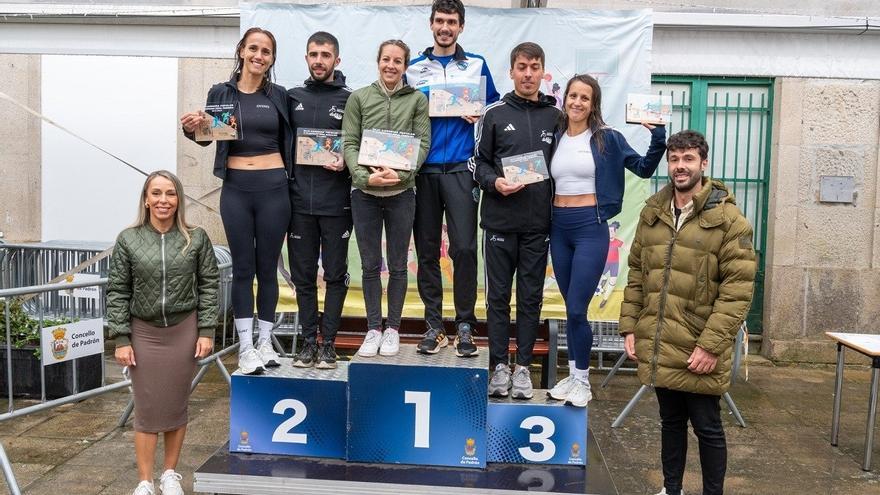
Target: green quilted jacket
(690,287)
(153,279)
(370,108)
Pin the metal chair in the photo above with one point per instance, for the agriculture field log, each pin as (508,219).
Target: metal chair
(734,370)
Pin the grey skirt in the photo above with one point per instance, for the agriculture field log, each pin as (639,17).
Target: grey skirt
(165,369)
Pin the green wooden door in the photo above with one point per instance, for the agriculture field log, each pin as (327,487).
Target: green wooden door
(735,116)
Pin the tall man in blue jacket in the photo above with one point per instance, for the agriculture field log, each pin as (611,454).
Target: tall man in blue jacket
(320,225)
(515,218)
(445,183)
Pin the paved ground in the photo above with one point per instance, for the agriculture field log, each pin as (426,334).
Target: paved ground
(77,449)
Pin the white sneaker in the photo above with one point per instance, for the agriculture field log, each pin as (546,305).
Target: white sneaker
(580,393)
(268,355)
(371,344)
(390,343)
(250,363)
(169,483)
(144,488)
(561,390)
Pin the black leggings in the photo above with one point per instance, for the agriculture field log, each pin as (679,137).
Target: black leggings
(255,208)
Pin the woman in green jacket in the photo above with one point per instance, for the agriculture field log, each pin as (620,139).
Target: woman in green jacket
(383,196)
(162,310)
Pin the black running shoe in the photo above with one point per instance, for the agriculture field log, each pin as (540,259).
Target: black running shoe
(433,341)
(327,356)
(306,356)
(464,341)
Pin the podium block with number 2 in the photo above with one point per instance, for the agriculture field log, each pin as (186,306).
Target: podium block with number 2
(289,411)
(416,409)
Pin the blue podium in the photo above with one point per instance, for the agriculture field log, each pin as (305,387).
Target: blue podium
(418,409)
(537,431)
(289,411)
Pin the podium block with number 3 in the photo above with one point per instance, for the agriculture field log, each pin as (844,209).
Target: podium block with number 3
(289,411)
(417,409)
(539,431)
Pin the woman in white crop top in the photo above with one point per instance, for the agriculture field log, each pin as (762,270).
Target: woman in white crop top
(587,168)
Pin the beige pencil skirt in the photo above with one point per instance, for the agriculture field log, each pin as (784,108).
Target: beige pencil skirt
(165,369)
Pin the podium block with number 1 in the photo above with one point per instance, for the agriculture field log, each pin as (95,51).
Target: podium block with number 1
(418,409)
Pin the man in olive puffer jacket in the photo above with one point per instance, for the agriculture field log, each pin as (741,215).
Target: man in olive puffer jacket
(691,272)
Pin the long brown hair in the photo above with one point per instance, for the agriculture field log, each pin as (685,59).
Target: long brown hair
(143,216)
(595,122)
(269,76)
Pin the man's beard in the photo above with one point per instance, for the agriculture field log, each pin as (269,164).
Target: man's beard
(327,74)
(690,184)
(452,43)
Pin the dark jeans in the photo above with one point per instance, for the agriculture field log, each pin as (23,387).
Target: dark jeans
(370,213)
(525,255)
(255,209)
(704,413)
(578,249)
(311,237)
(457,195)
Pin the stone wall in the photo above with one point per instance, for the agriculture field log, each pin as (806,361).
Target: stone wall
(823,263)
(20,158)
(195,164)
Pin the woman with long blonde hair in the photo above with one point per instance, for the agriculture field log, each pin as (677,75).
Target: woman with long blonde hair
(162,311)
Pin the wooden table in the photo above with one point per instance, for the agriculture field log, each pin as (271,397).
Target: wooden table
(869,345)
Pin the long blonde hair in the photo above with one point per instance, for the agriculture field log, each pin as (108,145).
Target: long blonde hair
(143,216)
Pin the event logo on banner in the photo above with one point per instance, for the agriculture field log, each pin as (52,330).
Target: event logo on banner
(613,46)
(72,340)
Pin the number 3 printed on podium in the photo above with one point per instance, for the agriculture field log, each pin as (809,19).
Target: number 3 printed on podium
(548,448)
(282,433)
(422,402)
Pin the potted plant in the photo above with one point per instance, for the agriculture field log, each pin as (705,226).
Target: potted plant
(26,359)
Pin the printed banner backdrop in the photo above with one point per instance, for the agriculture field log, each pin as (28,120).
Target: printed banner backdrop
(614,46)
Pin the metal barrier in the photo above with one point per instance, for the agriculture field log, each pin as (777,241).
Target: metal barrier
(96,310)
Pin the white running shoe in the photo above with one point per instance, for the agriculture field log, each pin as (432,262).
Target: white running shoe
(580,393)
(268,355)
(390,343)
(169,483)
(144,488)
(561,390)
(250,363)
(371,344)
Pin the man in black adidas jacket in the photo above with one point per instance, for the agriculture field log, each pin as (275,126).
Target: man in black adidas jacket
(515,218)
(320,224)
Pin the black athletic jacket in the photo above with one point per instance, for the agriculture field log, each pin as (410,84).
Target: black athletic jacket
(316,190)
(227,92)
(511,127)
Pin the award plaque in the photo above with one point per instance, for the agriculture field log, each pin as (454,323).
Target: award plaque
(222,123)
(457,99)
(392,149)
(527,168)
(648,109)
(318,146)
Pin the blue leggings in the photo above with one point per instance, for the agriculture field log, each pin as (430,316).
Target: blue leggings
(578,249)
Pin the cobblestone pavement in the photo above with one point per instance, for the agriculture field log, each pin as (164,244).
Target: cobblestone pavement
(77,449)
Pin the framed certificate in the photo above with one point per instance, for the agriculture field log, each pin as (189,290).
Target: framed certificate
(648,109)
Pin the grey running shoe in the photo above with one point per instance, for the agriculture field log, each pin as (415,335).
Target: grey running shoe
(169,483)
(307,356)
(250,363)
(499,384)
(434,340)
(522,384)
(267,354)
(327,356)
(464,341)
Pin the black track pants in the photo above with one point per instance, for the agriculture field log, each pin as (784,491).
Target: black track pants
(507,254)
(310,238)
(457,195)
